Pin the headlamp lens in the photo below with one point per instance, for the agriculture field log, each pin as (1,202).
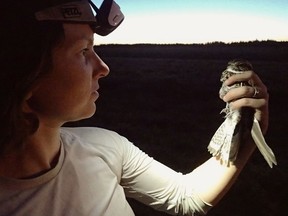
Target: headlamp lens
(108,17)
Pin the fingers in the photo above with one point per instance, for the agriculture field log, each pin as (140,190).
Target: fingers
(255,96)
(248,102)
(248,76)
(254,92)
(257,89)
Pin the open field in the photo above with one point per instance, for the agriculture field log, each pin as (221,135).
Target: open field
(165,100)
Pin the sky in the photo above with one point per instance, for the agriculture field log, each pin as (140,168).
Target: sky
(199,21)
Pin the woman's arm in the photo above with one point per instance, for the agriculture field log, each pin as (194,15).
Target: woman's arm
(162,188)
(211,179)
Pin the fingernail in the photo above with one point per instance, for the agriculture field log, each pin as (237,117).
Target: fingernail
(225,98)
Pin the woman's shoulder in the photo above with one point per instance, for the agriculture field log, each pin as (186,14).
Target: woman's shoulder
(95,139)
(90,133)
(93,142)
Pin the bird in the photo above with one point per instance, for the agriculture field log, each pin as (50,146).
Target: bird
(239,125)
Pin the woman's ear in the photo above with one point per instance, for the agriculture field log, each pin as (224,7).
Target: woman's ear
(25,104)
(30,117)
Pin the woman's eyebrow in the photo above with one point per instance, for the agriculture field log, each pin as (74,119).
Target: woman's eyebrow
(90,40)
(84,38)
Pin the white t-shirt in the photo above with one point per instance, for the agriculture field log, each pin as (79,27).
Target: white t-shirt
(95,172)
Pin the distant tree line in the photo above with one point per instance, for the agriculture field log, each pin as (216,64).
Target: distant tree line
(253,50)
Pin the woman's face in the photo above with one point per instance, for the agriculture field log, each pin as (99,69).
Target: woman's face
(69,91)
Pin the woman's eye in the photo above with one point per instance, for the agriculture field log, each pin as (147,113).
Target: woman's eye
(84,51)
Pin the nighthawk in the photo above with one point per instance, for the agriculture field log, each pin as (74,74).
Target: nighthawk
(239,125)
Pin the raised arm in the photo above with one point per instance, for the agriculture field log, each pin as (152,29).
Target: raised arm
(212,179)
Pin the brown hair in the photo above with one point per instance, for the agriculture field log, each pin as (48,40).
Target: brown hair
(25,56)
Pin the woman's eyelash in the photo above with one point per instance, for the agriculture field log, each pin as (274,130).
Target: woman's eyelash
(85,50)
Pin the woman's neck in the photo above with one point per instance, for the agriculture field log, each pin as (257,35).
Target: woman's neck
(40,154)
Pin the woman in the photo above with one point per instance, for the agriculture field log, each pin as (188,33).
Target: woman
(50,75)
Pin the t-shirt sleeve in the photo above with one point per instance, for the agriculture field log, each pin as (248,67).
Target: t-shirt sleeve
(142,177)
(158,186)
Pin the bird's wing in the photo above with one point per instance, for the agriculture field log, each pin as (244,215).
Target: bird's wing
(262,145)
(224,144)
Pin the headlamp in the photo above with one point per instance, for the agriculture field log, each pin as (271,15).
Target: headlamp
(106,19)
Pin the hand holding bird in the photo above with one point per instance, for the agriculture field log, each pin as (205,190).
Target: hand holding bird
(240,123)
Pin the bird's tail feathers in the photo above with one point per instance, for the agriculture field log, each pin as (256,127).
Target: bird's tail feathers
(260,142)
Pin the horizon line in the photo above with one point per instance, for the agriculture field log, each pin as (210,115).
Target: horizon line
(206,43)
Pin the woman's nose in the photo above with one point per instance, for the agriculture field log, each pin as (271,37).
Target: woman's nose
(101,69)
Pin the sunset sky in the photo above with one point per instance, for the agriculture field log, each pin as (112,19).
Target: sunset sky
(199,21)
